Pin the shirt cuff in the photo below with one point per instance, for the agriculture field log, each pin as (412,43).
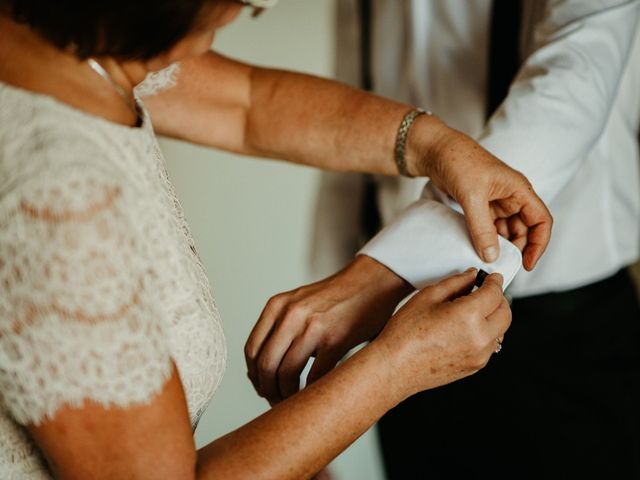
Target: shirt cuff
(429,241)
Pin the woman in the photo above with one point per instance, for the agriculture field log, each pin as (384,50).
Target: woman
(110,343)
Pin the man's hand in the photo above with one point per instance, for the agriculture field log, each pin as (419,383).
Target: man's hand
(495,198)
(327,319)
(323,320)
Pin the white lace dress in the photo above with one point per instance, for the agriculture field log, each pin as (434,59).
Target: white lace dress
(100,283)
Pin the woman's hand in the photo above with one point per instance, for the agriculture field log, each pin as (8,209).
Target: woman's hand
(442,335)
(323,320)
(496,199)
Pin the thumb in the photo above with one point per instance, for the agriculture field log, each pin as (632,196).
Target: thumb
(482,229)
(488,297)
(452,287)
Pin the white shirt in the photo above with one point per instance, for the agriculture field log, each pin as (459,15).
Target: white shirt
(570,122)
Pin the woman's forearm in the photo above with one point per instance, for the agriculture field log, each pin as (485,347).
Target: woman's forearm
(226,104)
(327,124)
(297,437)
(277,114)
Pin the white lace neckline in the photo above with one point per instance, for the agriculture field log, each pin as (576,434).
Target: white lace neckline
(56,103)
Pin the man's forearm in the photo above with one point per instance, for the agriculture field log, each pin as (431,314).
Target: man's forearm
(276,114)
(561,101)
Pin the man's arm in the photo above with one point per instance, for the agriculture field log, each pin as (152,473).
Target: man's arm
(556,110)
(559,104)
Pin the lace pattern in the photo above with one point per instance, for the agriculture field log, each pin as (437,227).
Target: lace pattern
(156,82)
(101,285)
(19,457)
(77,317)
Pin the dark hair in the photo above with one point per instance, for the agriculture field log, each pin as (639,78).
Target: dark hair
(124,29)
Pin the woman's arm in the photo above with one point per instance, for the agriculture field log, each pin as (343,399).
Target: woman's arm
(222,103)
(432,341)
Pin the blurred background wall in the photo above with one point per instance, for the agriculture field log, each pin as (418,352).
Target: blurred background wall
(251,218)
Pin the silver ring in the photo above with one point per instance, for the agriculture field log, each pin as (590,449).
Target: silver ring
(498,346)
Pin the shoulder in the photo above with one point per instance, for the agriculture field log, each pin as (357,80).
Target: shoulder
(44,141)
(78,310)
(54,159)
(63,199)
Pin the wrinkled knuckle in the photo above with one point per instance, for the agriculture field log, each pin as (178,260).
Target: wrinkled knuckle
(315,326)
(476,337)
(297,310)
(266,365)
(330,340)
(478,341)
(468,323)
(277,301)
(249,352)
(473,319)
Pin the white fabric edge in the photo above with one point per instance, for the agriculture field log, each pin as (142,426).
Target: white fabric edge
(429,241)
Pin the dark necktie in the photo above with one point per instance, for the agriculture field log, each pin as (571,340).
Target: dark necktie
(504,51)
(370,219)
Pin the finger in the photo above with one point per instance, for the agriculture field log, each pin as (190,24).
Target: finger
(480,223)
(450,287)
(518,232)
(294,362)
(539,222)
(259,334)
(537,242)
(502,227)
(499,320)
(274,350)
(324,363)
(486,299)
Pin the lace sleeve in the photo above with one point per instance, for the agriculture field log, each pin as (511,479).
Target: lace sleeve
(156,82)
(77,320)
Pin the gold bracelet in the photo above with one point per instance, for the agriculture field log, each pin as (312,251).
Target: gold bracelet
(401,139)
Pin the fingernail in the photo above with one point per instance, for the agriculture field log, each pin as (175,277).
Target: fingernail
(490,254)
(469,270)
